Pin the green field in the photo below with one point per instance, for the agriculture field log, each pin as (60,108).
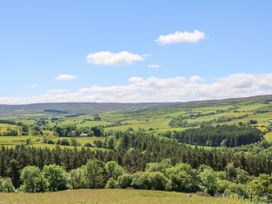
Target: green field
(37,141)
(113,197)
(153,119)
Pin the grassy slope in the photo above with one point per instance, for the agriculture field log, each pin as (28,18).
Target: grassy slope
(112,197)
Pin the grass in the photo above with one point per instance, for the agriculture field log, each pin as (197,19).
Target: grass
(268,136)
(37,141)
(108,196)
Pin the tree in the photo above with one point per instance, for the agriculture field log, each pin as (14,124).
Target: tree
(98,131)
(95,174)
(141,180)
(231,171)
(242,176)
(13,172)
(77,178)
(261,186)
(32,180)
(183,178)
(55,177)
(6,185)
(113,170)
(208,181)
(124,180)
(158,166)
(159,181)
(111,183)
(97,117)
(25,129)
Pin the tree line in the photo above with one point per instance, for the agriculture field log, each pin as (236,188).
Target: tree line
(163,175)
(133,150)
(220,135)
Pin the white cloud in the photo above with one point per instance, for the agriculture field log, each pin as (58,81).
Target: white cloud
(154,66)
(155,89)
(113,59)
(65,77)
(181,37)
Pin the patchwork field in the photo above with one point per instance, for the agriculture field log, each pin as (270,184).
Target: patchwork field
(255,111)
(112,197)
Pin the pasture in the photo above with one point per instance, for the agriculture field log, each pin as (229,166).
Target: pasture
(108,196)
(155,120)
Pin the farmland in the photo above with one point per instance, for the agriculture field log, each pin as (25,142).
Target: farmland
(255,111)
(141,147)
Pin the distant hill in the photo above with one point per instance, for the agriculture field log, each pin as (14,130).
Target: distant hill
(82,108)
(74,108)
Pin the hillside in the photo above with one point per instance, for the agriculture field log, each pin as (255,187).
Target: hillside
(74,108)
(79,108)
(154,117)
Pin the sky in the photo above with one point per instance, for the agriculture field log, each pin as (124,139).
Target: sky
(134,51)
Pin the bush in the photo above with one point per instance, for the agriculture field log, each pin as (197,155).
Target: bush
(77,178)
(125,180)
(208,181)
(141,180)
(113,170)
(74,142)
(63,142)
(50,141)
(98,143)
(32,180)
(87,144)
(159,181)
(150,180)
(95,174)
(55,177)
(111,183)
(183,178)
(6,185)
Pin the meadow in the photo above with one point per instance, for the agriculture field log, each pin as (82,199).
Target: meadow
(108,196)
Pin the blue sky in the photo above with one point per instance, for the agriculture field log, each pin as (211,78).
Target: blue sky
(42,41)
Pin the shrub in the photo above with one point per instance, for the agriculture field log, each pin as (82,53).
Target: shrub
(183,178)
(125,180)
(63,142)
(111,183)
(74,142)
(95,174)
(32,180)
(55,177)
(87,144)
(113,170)
(6,185)
(77,178)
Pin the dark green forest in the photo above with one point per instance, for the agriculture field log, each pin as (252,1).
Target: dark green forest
(220,135)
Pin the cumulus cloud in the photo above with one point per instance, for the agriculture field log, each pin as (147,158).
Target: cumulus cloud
(113,59)
(65,77)
(155,89)
(154,66)
(181,37)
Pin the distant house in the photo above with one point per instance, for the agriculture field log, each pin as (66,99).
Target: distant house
(84,135)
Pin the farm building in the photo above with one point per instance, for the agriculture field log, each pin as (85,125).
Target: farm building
(84,135)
